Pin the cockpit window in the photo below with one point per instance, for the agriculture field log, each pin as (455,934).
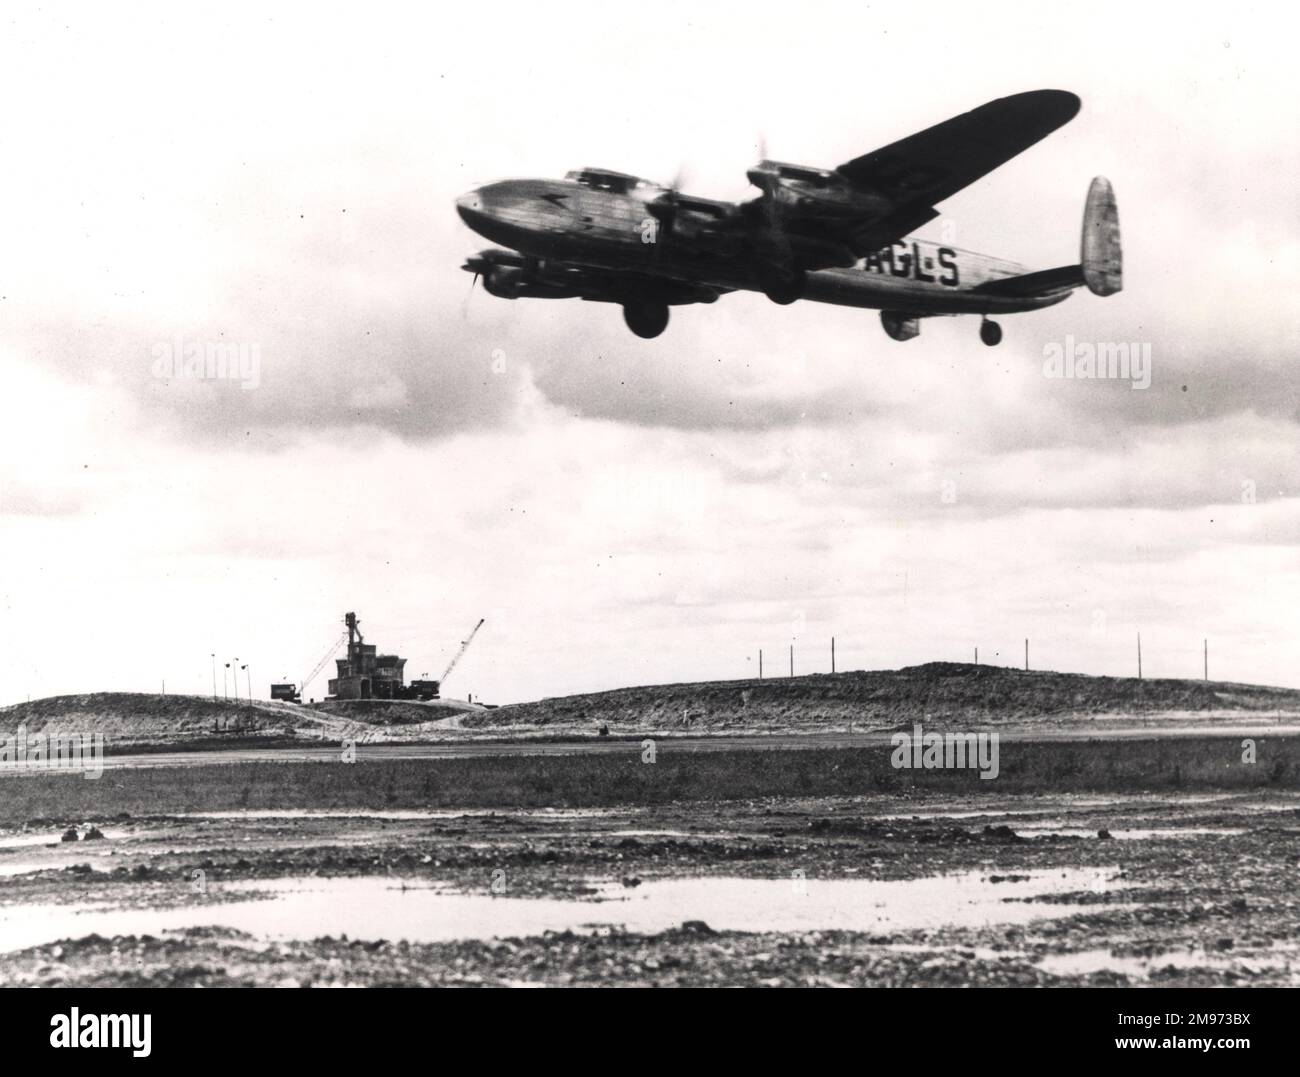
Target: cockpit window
(615,182)
(805,175)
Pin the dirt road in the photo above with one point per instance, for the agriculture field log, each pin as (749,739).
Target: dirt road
(776,742)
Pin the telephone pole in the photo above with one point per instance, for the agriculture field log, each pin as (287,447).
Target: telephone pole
(760,663)
(1026,654)
(832,654)
(792,660)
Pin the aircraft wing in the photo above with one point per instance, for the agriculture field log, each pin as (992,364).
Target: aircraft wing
(819,219)
(933,164)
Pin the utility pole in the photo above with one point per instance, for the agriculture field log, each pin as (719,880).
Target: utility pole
(249,678)
(225,682)
(1026,654)
(1139,656)
(792,660)
(760,663)
(234,672)
(977,656)
(832,654)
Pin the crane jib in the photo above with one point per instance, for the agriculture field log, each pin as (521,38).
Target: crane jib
(463,648)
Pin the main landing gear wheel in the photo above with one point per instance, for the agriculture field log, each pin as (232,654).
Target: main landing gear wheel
(646,320)
(785,290)
(990,332)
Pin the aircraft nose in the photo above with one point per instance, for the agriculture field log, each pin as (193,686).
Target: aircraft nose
(470,207)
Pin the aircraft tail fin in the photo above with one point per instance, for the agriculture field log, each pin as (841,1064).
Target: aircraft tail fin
(1101,260)
(1101,256)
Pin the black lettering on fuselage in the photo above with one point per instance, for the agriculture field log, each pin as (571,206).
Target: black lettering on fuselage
(902,265)
(911,263)
(921,274)
(948,260)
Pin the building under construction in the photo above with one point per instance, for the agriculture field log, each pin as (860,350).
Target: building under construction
(366,674)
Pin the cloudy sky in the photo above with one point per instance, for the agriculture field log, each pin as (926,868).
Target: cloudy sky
(626,511)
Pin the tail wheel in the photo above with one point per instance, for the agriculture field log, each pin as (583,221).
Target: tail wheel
(990,333)
(646,320)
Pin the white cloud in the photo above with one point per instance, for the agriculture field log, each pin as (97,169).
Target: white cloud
(624,510)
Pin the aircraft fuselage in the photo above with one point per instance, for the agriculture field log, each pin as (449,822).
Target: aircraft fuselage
(569,222)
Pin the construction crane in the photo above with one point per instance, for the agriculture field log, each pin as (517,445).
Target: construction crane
(463,648)
(342,639)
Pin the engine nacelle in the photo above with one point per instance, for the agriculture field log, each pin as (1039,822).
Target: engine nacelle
(820,190)
(900,326)
(504,282)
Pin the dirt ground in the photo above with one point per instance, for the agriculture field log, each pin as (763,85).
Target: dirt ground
(1199,889)
(941,694)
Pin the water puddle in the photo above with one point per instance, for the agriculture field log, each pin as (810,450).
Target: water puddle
(698,834)
(43,851)
(13,868)
(400,813)
(54,837)
(1061,830)
(380,908)
(27,841)
(1087,962)
(1051,812)
(20,867)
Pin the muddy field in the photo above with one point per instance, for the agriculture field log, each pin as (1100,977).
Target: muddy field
(916,888)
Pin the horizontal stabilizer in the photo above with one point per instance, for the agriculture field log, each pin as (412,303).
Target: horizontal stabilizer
(1032,284)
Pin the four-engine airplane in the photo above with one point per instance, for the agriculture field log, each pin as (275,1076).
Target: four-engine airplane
(830,235)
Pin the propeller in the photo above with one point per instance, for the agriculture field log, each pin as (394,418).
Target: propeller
(664,207)
(464,307)
(770,239)
(774,241)
(475,264)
